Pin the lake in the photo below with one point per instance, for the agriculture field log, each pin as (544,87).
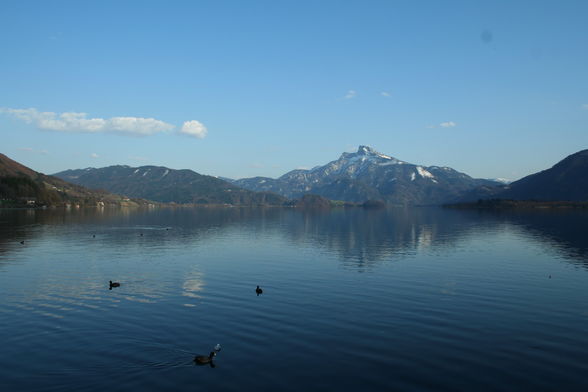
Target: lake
(423,299)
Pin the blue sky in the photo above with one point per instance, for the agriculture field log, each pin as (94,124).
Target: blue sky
(247,88)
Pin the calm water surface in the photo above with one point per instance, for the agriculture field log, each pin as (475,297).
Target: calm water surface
(388,300)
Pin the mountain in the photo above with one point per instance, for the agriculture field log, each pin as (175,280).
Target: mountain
(565,181)
(21,185)
(370,175)
(167,185)
(504,181)
(10,168)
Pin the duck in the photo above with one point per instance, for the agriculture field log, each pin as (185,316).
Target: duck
(258,290)
(203,359)
(114,284)
(22,242)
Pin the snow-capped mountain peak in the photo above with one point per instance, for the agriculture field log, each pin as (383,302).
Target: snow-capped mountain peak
(369,175)
(368,154)
(366,150)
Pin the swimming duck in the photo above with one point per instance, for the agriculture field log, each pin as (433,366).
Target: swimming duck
(22,242)
(203,359)
(114,284)
(258,290)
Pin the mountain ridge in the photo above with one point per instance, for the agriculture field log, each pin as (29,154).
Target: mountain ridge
(21,185)
(567,180)
(370,175)
(162,184)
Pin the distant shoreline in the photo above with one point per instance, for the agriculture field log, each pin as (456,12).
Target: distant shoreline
(500,204)
(326,204)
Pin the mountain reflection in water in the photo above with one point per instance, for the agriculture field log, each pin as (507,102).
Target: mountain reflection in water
(362,238)
(421,299)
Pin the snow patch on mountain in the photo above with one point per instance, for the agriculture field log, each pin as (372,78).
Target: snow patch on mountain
(424,173)
(367,174)
(391,162)
(501,180)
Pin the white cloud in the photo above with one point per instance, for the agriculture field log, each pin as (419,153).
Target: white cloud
(447,124)
(385,94)
(350,94)
(194,128)
(94,155)
(78,122)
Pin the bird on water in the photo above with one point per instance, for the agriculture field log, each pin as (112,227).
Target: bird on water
(113,284)
(258,290)
(203,359)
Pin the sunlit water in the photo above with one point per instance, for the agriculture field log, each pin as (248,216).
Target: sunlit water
(384,300)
